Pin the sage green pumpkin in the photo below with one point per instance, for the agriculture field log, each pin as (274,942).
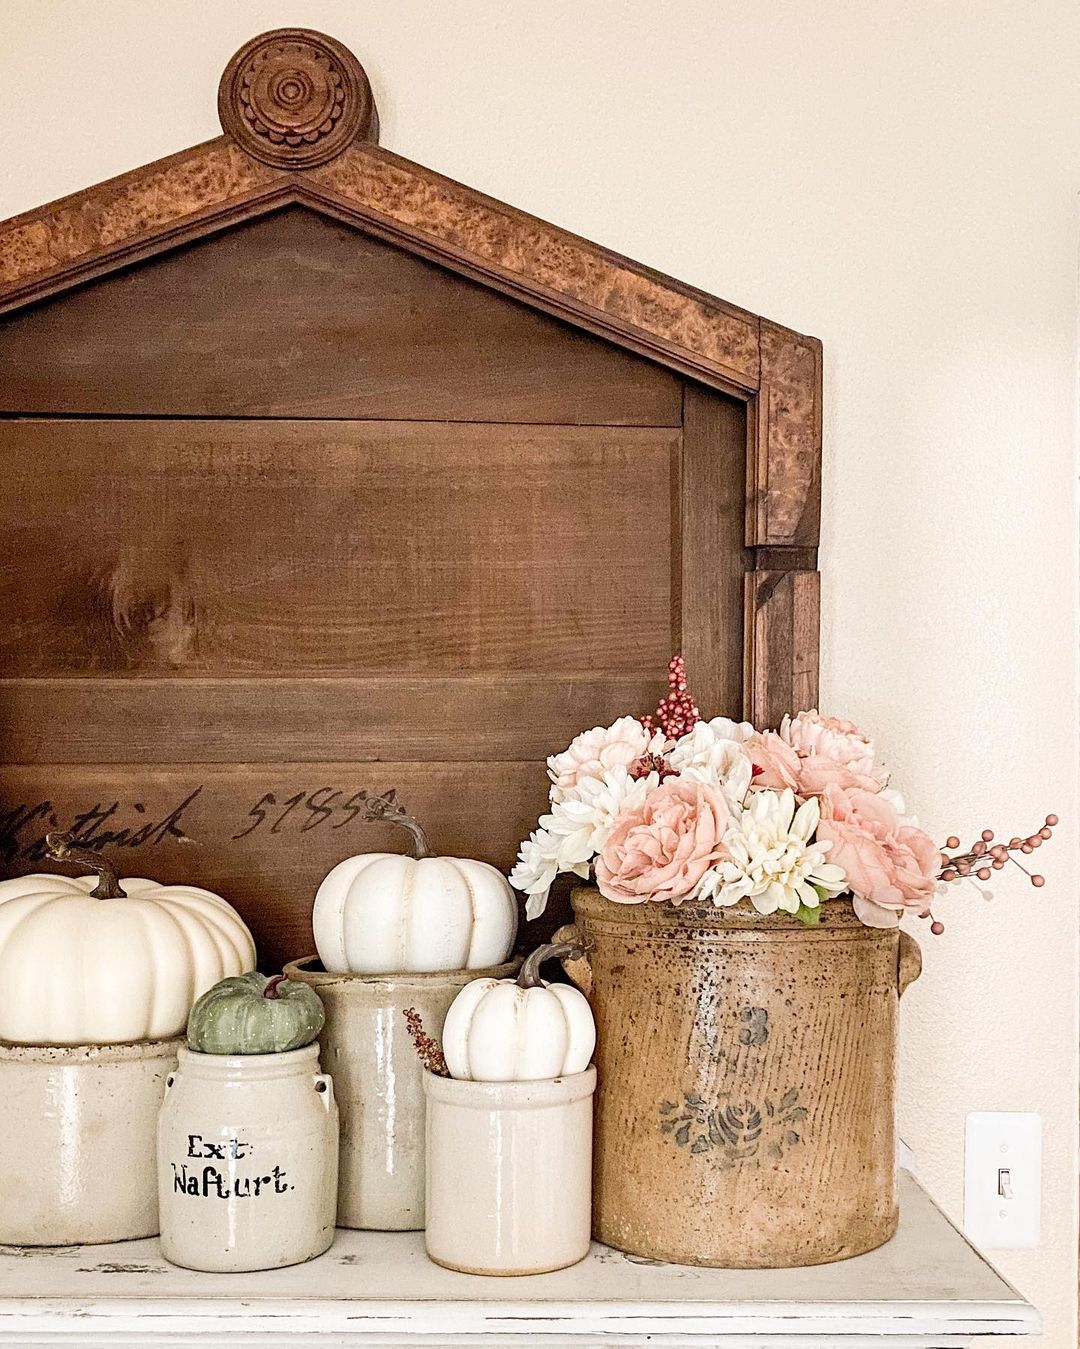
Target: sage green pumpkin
(255,1014)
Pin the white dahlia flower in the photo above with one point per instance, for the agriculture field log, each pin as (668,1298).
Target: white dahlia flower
(712,753)
(773,861)
(574,831)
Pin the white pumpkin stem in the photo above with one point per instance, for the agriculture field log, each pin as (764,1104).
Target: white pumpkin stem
(64,849)
(378,808)
(529,976)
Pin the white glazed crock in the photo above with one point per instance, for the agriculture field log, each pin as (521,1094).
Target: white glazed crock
(77,1141)
(367,1049)
(247,1161)
(509,1173)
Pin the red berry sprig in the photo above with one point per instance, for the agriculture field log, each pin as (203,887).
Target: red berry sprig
(985,856)
(428,1050)
(677,714)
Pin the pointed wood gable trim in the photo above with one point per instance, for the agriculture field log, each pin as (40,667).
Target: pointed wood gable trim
(301,125)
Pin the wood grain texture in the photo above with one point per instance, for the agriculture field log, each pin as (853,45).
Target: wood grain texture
(332,547)
(747,1072)
(262,835)
(348,467)
(357,328)
(577,279)
(783,495)
(302,720)
(217,185)
(782,625)
(708,592)
(141,212)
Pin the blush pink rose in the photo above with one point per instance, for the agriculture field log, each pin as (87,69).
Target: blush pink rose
(663,849)
(891,866)
(833,753)
(776,764)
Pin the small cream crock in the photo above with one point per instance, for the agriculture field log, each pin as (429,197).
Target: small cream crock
(367,1049)
(247,1160)
(77,1141)
(509,1173)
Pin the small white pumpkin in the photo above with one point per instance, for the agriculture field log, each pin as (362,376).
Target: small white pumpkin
(97,960)
(519,1030)
(387,913)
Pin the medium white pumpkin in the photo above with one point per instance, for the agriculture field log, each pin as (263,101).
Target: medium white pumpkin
(519,1030)
(97,960)
(386,913)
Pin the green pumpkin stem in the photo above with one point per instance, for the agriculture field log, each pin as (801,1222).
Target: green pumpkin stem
(529,976)
(65,849)
(271,989)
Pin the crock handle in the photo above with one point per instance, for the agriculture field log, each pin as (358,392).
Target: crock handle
(579,970)
(324,1085)
(908,962)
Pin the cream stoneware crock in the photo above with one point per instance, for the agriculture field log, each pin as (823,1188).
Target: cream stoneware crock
(247,1160)
(509,1173)
(77,1141)
(367,1049)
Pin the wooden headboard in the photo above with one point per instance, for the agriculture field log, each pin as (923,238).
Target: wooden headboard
(324,475)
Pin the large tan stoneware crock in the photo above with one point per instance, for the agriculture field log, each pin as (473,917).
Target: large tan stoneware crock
(747,1065)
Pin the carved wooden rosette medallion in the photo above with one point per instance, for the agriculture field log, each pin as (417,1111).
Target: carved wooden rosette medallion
(295,98)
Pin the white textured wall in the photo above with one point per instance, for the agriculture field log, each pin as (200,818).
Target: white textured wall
(898,180)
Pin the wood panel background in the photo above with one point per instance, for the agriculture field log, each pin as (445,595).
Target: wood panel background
(324,475)
(291,515)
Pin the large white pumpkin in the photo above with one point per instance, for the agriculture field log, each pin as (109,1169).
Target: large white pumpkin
(519,1030)
(386,913)
(121,965)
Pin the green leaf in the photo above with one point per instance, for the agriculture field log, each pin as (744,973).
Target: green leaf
(805,914)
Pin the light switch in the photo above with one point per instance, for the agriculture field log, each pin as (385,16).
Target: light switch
(1002,1179)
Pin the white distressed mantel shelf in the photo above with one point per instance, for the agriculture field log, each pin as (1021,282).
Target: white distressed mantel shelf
(927,1287)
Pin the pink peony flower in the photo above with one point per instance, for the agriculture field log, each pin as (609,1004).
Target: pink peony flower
(834,753)
(662,849)
(891,866)
(589,754)
(776,764)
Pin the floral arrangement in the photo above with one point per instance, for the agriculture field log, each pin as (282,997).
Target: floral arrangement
(673,807)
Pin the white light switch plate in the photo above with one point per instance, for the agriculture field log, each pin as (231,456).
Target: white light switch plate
(1002,1179)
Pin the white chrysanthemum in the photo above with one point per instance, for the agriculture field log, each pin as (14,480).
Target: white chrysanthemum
(591,753)
(772,860)
(575,830)
(712,753)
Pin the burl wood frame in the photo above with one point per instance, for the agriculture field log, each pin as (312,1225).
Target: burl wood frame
(301,127)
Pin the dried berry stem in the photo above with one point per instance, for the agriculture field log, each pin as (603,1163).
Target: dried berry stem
(429,1050)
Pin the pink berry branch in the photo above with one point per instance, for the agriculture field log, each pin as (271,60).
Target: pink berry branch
(985,855)
(677,714)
